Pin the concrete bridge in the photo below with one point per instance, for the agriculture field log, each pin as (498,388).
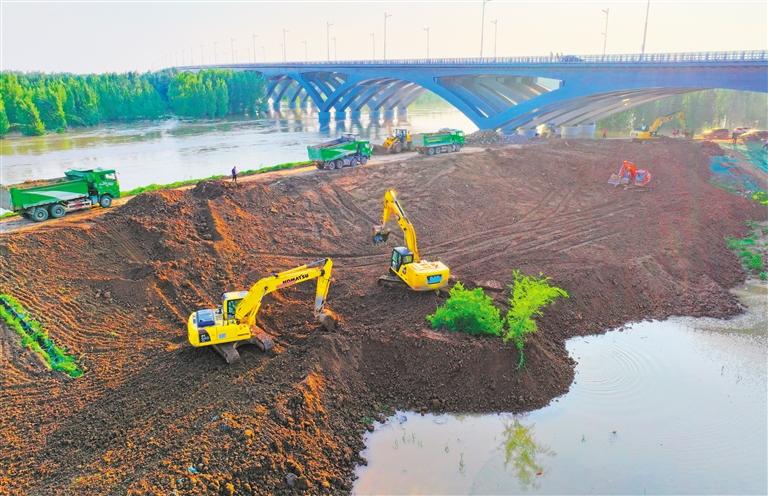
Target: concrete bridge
(508,93)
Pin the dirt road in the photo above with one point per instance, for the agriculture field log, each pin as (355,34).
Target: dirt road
(15,224)
(152,415)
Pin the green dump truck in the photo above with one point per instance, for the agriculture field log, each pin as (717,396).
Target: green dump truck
(78,189)
(445,140)
(346,151)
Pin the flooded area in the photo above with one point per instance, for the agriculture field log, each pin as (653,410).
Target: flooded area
(676,406)
(173,150)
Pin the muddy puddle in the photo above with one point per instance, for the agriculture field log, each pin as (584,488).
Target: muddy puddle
(677,406)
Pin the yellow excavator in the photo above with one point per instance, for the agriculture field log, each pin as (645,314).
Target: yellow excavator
(400,140)
(650,132)
(406,264)
(233,323)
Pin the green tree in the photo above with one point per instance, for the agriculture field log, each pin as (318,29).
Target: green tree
(468,310)
(5,125)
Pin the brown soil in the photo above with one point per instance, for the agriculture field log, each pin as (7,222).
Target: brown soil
(153,415)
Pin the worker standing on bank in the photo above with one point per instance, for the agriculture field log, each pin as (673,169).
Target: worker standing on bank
(631,170)
(234,174)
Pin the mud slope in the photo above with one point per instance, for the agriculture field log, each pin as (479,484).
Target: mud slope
(153,415)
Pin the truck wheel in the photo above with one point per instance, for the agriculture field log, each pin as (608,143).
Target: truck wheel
(430,151)
(105,201)
(398,148)
(39,214)
(364,159)
(57,211)
(338,164)
(354,162)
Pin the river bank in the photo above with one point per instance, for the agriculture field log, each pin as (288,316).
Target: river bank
(151,414)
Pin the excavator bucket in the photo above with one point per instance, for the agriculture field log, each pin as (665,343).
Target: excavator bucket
(259,338)
(327,320)
(380,235)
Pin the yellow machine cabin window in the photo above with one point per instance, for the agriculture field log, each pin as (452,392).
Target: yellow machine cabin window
(232,308)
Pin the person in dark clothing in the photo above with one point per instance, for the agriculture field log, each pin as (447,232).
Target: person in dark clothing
(234,174)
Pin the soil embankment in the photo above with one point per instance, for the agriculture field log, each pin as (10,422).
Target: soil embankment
(153,415)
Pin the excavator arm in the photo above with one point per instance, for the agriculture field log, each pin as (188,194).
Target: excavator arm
(393,207)
(249,307)
(660,121)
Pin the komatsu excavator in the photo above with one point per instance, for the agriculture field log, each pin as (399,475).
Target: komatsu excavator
(649,132)
(406,264)
(234,322)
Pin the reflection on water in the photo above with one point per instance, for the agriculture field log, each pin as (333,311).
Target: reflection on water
(678,406)
(172,150)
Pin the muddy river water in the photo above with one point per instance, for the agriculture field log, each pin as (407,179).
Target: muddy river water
(670,407)
(172,150)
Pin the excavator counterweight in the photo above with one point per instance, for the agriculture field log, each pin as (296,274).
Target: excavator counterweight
(233,323)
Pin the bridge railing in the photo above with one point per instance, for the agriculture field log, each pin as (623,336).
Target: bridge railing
(745,56)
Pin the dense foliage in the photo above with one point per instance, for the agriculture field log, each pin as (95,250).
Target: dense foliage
(36,103)
(468,310)
(528,295)
(703,110)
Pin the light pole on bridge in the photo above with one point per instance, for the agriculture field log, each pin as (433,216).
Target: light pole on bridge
(373,44)
(285,45)
(605,30)
(426,30)
(386,16)
(335,55)
(482,27)
(645,29)
(495,23)
(328,39)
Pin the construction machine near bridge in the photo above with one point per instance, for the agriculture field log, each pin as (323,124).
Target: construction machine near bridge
(406,264)
(652,131)
(399,141)
(233,323)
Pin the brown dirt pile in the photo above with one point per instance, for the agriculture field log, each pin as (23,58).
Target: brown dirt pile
(153,415)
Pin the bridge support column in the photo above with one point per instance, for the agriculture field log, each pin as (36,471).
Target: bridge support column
(324,116)
(389,114)
(340,115)
(402,114)
(276,105)
(354,114)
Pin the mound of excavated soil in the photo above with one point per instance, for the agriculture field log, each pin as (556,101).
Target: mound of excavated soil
(153,415)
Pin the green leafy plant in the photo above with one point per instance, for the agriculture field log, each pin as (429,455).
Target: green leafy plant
(752,260)
(35,338)
(739,243)
(468,310)
(760,197)
(528,296)
(763,276)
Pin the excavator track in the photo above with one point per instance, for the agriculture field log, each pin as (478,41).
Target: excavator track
(229,350)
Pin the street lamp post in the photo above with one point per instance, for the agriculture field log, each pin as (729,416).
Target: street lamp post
(482,27)
(373,44)
(386,16)
(495,23)
(645,29)
(285,32)
(328,39)
(605,30)
(335,55)
(426,30)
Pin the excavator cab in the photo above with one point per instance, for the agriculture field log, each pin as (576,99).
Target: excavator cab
(401,256)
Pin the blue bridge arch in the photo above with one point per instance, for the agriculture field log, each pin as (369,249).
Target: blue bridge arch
(509,93)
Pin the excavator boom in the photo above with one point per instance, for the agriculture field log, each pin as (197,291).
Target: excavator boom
(392,207)
(234,322)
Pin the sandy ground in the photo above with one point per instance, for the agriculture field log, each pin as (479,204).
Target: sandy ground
(152,415)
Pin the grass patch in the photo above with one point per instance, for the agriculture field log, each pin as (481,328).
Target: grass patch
(35,338)
(189,182)
(751,249)
(9,214)
(739,243)
(468,310)
(760,197)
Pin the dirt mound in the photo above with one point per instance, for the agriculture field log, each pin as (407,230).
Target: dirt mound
(153,415)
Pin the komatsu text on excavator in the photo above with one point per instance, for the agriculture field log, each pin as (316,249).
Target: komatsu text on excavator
(234,322)
(406,263)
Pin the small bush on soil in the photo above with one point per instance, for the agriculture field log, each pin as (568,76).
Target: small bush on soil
(738,243)
(468,310)
(753,261)
(528,296)
(760,197)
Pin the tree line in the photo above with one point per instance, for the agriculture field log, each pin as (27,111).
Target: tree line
(37,103)
(705,109)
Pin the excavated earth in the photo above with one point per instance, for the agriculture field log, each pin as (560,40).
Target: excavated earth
(152,415)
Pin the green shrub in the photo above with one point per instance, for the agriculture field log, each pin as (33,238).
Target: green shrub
(760,197)
(753,261)
(468,310)
(528,296)
(738,243)
(763,275)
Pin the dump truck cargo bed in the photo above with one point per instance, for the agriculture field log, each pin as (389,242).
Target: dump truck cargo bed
(33,193)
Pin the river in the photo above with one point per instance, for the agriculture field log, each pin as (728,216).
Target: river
(173,150)
(663,407)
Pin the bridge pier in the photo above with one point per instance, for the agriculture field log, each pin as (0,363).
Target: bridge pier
(402,114)
(324,116)
(340,115)
(389,114)
(355,114)
(375,115)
